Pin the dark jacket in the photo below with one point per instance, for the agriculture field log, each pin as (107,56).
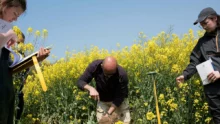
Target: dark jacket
(114,89)
(207,47)
(6,90)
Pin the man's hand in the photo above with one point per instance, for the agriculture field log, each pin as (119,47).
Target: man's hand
(105,119)
(109,119)
(179,80)
(93,93)
(213,76)
(106,115)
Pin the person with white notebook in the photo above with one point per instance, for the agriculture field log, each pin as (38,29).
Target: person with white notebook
(205,59)
(10,10)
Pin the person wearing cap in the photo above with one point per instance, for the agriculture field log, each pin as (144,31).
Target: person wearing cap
(207,48)
(111,90)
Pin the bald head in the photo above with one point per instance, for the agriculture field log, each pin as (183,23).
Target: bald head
(109,65)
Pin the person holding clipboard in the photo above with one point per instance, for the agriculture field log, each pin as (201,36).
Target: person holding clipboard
(207,49)
(10,10)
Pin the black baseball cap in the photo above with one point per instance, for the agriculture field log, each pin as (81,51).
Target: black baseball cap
(204,14)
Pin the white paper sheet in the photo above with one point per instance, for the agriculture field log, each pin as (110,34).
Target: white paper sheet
(204,69)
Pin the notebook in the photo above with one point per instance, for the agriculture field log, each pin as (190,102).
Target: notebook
(20,63)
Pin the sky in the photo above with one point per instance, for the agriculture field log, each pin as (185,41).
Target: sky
(78,24)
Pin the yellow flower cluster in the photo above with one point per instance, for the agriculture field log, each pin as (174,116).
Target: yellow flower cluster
(150,116)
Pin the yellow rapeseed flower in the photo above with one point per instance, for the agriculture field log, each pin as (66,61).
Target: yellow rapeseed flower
(45,33)
(173,106)
(79,120)
(165,122)
(33,119)
(119,122)
(197,94)
(161,97)
(150,116)
(197,82)
(83,108)
(145,104)
(207,120)
(196,101)
(30,30)
(37,33)
(183,99)
(29,115)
